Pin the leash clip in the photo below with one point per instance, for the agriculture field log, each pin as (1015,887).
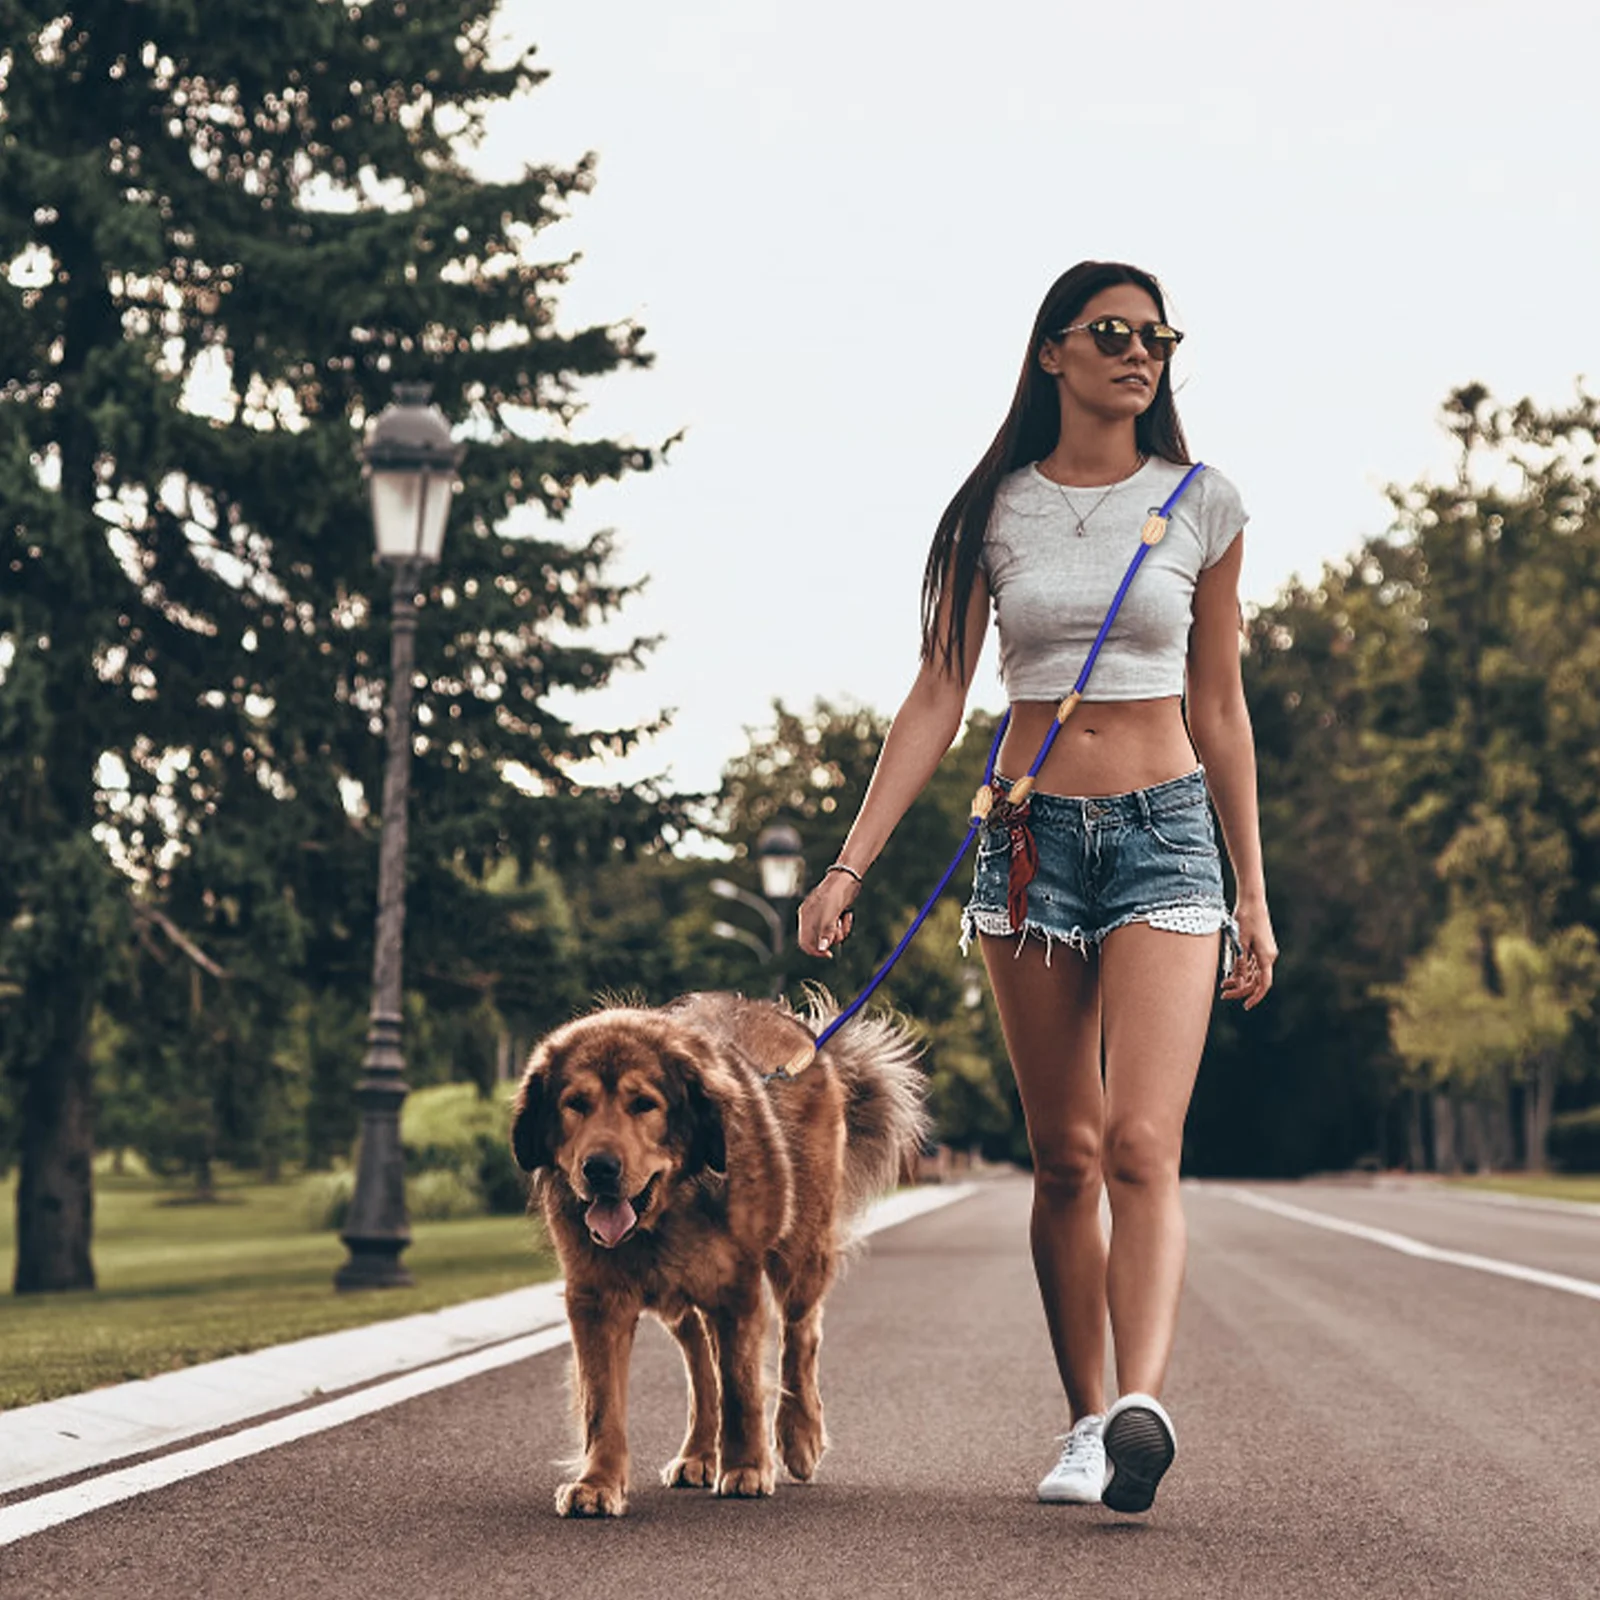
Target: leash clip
(795,1065)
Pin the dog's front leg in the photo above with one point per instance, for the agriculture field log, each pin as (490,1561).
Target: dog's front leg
(602,1342)
(740,1325)
(695,1464)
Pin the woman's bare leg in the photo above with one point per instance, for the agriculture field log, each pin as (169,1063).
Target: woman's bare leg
(1051,1017)
(1156,989)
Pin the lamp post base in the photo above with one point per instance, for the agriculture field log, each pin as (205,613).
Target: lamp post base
(375,1227)
(373,1264)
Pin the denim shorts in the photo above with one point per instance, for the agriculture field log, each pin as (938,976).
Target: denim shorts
(1148,856)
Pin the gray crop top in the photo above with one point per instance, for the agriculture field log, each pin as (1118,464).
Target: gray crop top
(1051,588)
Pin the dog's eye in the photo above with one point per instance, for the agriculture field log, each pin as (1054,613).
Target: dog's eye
(577,1105)
(642,1105)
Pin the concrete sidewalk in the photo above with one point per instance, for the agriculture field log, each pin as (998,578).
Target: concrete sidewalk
(84,1432)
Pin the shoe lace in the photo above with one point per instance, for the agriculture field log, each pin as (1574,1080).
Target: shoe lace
(1079,1447)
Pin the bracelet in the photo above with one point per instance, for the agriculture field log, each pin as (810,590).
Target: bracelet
(841,866)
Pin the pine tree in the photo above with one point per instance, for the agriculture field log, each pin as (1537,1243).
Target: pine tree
(192,635)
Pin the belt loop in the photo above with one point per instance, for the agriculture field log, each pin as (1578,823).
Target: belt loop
(1144,806)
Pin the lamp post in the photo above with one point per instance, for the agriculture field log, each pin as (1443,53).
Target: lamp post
(782,868)
(410,462)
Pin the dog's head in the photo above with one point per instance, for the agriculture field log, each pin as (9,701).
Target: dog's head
(617,1107)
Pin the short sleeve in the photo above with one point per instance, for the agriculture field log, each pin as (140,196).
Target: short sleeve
(994,554)
(1222,515)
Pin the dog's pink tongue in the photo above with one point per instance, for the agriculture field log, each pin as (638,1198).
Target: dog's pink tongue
(609,1220)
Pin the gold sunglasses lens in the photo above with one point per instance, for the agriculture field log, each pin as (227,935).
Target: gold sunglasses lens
(1111,335)
(1160,340)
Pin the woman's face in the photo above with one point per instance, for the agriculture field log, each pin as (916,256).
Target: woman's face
(1113,388)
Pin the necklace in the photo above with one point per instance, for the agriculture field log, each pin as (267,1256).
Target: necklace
(1083,518)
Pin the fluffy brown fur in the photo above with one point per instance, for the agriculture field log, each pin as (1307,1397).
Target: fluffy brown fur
(674,1181)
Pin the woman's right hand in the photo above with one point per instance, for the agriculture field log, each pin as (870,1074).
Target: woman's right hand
(826,914)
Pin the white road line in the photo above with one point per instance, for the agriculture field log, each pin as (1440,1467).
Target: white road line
(1415,1247)
(48,1510)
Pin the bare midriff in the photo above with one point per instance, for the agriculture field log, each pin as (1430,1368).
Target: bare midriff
(1105,747)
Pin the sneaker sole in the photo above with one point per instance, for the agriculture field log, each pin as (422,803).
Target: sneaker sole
(1085,1499)
(1140,1450)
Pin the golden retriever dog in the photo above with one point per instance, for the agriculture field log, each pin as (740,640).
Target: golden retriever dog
(674,1180)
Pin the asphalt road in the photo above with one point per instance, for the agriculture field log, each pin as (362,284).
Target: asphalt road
(1351,1421)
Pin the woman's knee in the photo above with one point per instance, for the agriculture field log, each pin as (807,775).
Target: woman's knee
(1066,1167)
(1140,1153)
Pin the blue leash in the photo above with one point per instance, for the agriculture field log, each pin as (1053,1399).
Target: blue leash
(1150,535)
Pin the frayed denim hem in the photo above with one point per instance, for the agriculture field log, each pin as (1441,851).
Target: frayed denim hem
(1181,917)
(998,925)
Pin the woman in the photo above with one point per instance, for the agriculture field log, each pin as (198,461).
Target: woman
(1105,1042)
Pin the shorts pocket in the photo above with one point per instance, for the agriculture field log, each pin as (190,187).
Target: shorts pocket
(1186,832)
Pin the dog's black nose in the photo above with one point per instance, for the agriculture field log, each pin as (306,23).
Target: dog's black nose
(602,1172)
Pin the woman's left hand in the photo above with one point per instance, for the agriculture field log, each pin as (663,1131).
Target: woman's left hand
(1252,971)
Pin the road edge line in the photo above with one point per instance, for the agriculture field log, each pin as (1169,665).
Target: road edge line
(1404,1244)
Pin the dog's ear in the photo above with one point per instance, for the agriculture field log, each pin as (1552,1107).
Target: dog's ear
(531,1111)
(703,1131)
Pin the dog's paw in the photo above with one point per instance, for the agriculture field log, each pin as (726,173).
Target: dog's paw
(690,1472)
(590,1500)
(748,1483)
(801,1441)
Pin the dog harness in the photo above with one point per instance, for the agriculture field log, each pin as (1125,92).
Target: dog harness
(1011,811)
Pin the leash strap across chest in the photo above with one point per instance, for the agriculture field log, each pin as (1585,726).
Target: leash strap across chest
(1011,811)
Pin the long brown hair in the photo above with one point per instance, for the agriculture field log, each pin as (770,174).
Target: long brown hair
(1030,432)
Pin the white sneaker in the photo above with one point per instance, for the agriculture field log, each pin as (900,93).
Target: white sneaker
(1078,1477)
(1140,1445)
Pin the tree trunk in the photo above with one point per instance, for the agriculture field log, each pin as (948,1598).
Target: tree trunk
(1474,1146)
(1500,1134)
(55,1189)
(1538,1102)
(61,961)
(1416,1150)
(1446,1154)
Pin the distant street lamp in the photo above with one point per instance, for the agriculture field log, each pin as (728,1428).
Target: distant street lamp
(411,463)
(783,872)
(782,866)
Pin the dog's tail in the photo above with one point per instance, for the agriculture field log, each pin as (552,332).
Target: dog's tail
(886,1118)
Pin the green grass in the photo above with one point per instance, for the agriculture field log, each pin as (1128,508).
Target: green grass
(181,1282)
(1541,1185)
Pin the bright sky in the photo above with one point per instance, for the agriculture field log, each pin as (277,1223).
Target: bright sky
(837,219)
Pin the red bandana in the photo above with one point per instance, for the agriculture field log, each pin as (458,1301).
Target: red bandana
(1024,855)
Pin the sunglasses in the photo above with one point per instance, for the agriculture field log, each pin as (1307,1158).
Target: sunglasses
(1113,336)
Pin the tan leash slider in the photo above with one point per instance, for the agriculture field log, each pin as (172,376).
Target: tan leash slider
(796,1064)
